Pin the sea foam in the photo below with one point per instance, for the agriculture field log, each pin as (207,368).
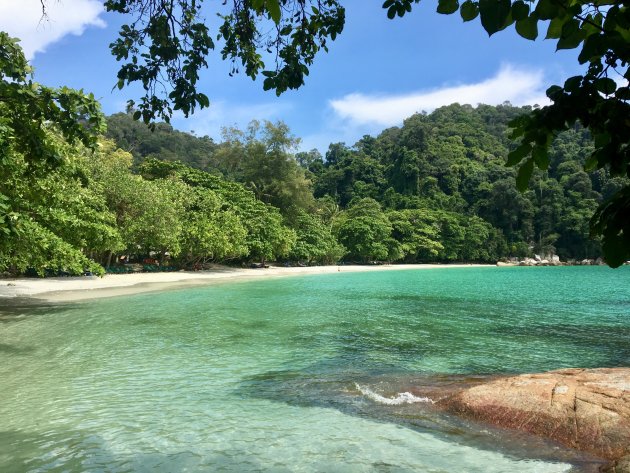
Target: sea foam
(400,398)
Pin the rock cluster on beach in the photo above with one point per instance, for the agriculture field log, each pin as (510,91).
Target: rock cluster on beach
(551,260)
(585,409)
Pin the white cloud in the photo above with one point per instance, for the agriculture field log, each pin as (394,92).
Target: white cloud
(517,85)
(620,80)
(23,19)
(209,121)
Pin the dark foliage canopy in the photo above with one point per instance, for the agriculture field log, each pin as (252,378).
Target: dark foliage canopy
(169,40)
(166,43)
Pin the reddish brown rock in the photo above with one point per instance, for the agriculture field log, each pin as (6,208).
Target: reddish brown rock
(620,466)
(585,409)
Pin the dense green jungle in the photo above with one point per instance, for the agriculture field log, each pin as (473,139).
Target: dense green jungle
(436,189)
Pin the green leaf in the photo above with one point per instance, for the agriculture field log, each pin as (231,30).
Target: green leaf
(494,14)
(540,156)
(590,164)
(612,221)
(447,7)
(516,156)
(601,155)
(555,28)
(572,84)
(203,100)
(520,11)
(594,46)
(614,249)
(524,174)
(518,126)
(623,93)
(606,85)
(601,139)
(528,28)
(554,91)
(268,83)
(273,7)
(546,9)
(469,10)
(571,35)
(570,42)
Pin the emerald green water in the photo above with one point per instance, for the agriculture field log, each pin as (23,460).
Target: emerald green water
(297,374)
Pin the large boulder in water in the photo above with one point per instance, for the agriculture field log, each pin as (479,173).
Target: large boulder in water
(586,409)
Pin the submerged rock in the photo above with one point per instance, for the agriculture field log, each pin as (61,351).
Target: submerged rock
(585,409)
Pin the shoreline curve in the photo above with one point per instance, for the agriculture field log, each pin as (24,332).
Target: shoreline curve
(71,289)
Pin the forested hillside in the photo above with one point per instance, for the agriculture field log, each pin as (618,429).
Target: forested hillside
(435,189)
(440,180)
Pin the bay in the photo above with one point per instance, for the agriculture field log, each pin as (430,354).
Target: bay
(307,373)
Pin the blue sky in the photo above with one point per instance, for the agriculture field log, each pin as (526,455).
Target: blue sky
(378,72)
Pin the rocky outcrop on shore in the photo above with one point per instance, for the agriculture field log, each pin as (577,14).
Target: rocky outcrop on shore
(551,260)
(585,409)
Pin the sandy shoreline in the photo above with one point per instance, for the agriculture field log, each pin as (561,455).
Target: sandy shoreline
(70,289)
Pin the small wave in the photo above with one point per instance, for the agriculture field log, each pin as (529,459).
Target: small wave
(400,398)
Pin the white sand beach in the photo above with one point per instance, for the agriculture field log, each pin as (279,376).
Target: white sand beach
(67,289)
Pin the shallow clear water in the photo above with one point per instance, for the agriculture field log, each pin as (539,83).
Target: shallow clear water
(297,374)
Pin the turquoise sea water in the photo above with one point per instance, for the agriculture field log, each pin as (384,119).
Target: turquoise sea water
(312,373)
